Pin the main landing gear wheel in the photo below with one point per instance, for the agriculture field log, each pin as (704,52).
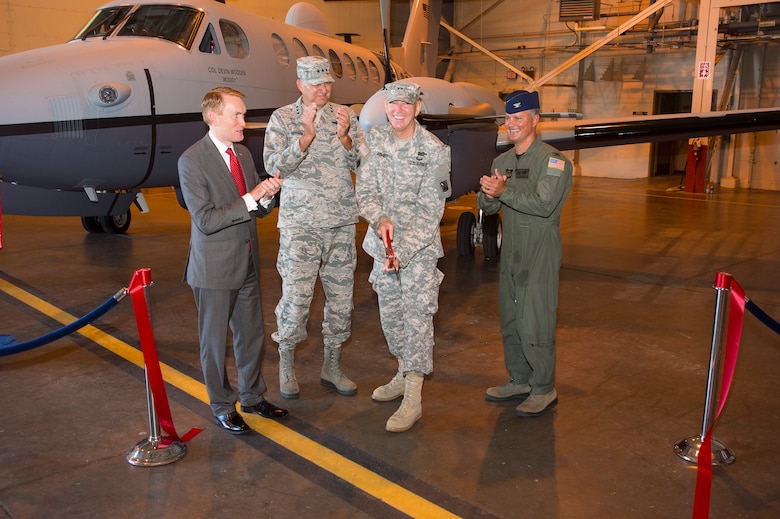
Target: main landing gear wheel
(488,232)
(492,234)
(466,238)
(117,224)
(91,224)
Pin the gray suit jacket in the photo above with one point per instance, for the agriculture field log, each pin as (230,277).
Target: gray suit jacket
(222,229)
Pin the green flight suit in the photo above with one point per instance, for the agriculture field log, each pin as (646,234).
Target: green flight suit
(538,183)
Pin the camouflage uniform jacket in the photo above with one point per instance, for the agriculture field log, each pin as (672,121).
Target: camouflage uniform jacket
(406,182)
(318,191)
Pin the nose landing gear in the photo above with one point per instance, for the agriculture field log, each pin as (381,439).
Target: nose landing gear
(116,224)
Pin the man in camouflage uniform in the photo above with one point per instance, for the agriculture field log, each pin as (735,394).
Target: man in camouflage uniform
(313,144)
(402,183)
(529,184)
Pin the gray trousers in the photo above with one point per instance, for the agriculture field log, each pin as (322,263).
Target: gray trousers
(239,310)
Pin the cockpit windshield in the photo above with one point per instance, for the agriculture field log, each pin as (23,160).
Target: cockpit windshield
(174,23)
(103,22)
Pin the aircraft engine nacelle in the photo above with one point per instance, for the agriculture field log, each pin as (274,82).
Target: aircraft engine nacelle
(466,122)
(438,97)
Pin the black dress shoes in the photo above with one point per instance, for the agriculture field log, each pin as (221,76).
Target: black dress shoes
(232,423)
(265,409)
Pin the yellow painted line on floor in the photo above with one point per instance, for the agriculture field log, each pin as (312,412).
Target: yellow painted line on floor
(373,484)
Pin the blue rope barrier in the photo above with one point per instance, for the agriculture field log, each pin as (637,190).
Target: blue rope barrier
(9,346)
(762,316)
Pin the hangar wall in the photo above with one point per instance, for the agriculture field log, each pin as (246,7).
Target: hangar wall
(625,77)
(621,79)
(29,24)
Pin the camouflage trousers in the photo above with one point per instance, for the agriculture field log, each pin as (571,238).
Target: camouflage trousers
(303,255)
(407,303)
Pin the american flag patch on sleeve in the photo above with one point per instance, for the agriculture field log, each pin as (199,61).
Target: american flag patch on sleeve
(556,163)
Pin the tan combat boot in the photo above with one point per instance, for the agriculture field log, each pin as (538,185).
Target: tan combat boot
(331,375)
(411,406)
(536,405)
(288,384)
(392,389)
(508,391)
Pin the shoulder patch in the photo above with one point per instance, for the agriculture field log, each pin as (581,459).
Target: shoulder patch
(363,149)
(555,166)
(556,163)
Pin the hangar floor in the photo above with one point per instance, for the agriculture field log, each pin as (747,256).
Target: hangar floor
(635,327)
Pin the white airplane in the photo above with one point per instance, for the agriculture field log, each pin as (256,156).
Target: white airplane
(87,124)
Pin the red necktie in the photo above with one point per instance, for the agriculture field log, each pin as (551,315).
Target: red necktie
(236,173)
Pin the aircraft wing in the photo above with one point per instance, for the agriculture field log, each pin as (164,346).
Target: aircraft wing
(473,152)
(566,135)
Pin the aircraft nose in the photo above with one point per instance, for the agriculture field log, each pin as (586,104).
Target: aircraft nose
(71,121)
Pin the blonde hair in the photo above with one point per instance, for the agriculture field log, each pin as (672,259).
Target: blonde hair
(214,100)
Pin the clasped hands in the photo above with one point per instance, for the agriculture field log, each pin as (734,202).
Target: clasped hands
(493,185)
(309,132)
(267,188)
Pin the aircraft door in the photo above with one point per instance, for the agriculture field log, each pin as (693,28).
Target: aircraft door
(113,139)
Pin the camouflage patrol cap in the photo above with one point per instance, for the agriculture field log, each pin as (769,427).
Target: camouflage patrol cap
(314,70)
(521,100)
(406,92)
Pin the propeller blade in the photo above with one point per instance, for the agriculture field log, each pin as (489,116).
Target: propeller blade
(384,6)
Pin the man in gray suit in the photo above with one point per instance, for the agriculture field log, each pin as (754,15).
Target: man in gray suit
(224,194)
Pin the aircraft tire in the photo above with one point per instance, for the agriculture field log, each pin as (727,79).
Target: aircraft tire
(465,234)
(492,234)
(91,224)
(117,224)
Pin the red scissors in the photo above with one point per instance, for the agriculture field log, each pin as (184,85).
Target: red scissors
(389,254)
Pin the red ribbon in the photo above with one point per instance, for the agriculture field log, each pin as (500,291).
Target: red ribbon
(143,278)
(723,280)
(736,317)
(1,216)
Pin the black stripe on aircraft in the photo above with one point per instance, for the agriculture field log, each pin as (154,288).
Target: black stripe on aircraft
(41,128)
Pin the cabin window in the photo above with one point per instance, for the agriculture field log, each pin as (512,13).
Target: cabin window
(374,71)
(335,63)
(103,22)
(174,23)
(209,44)
(299,49)
(236,43)
(281,50)
(362,69)
(349,67)
(317,51)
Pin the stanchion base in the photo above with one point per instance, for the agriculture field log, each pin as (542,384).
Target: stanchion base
(148,453)
(688,449)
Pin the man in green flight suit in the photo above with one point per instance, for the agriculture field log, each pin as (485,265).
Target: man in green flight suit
(529,183)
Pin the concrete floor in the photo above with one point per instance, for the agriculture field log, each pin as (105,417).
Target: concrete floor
(635,327)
